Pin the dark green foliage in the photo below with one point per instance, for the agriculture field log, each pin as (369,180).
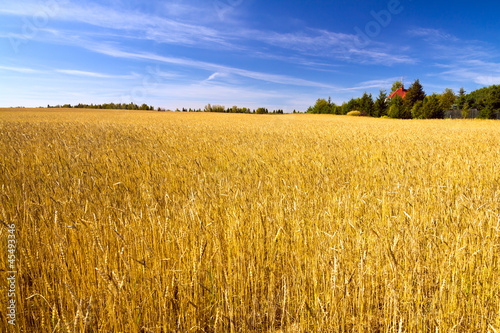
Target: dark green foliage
(486,100)
(417,111)
(461,99)
(477,98)
(432,107)
(414,94)
(494,98)
(366,104)
(222,109)
(416,105)
(107,106)
(323,106)
(353,105)
(486,112)
(380,106)
(397,108)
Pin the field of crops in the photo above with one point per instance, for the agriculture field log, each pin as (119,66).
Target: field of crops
(194,222)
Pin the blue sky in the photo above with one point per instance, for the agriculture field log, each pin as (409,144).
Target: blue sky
(250,53)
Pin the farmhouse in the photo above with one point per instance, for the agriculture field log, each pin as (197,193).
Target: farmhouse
(401,92)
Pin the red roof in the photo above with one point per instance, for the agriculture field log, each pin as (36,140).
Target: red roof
(401,92)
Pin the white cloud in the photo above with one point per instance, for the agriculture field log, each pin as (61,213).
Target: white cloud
(92,74)
(159,29)
(380,84)
(432,35)
(477,71)
(213,76)
(273,78)
(176,27)
(328,44)
(20,69)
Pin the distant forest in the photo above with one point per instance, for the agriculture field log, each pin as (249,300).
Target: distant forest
(133,106)
(108,106)
(482,103)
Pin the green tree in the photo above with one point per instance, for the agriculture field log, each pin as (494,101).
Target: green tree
(417,111)
(461,97)
(486,112)
(396,85)
(397,108)
(494,97)
(432,107)
(448,98)
(465,110)
(414,94)
(321,106)
(488,101)
(380,106)
(366,104)
(352,105)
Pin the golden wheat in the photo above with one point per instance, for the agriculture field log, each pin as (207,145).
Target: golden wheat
(177,222)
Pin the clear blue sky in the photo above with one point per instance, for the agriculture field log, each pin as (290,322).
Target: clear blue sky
(276,54)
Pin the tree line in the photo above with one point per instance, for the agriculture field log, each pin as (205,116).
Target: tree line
(416,104)
(236,109)
(106,106)
(133,106)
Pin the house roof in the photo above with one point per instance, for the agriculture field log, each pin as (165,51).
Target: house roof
(401,92)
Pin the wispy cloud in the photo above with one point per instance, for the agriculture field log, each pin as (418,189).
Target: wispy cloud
(464,61)
(20,69)
(327,44)
(92,74)
(432,35)
(213,76)
(273,78)
(157,28)
(174,28)
(477,71)
(380,84)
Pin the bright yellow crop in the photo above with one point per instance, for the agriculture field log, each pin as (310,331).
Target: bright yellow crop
(180,222)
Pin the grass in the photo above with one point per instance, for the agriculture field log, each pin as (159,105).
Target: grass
(177,222)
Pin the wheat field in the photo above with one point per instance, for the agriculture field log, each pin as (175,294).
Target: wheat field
(195,222)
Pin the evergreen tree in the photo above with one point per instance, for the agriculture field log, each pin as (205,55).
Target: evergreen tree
(380,105)
(366,104)
(414,94)
(397,108)
(352,105)
(461,97)
(432,107)
(417,111)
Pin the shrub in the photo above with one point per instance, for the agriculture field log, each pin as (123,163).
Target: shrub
(354,113)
